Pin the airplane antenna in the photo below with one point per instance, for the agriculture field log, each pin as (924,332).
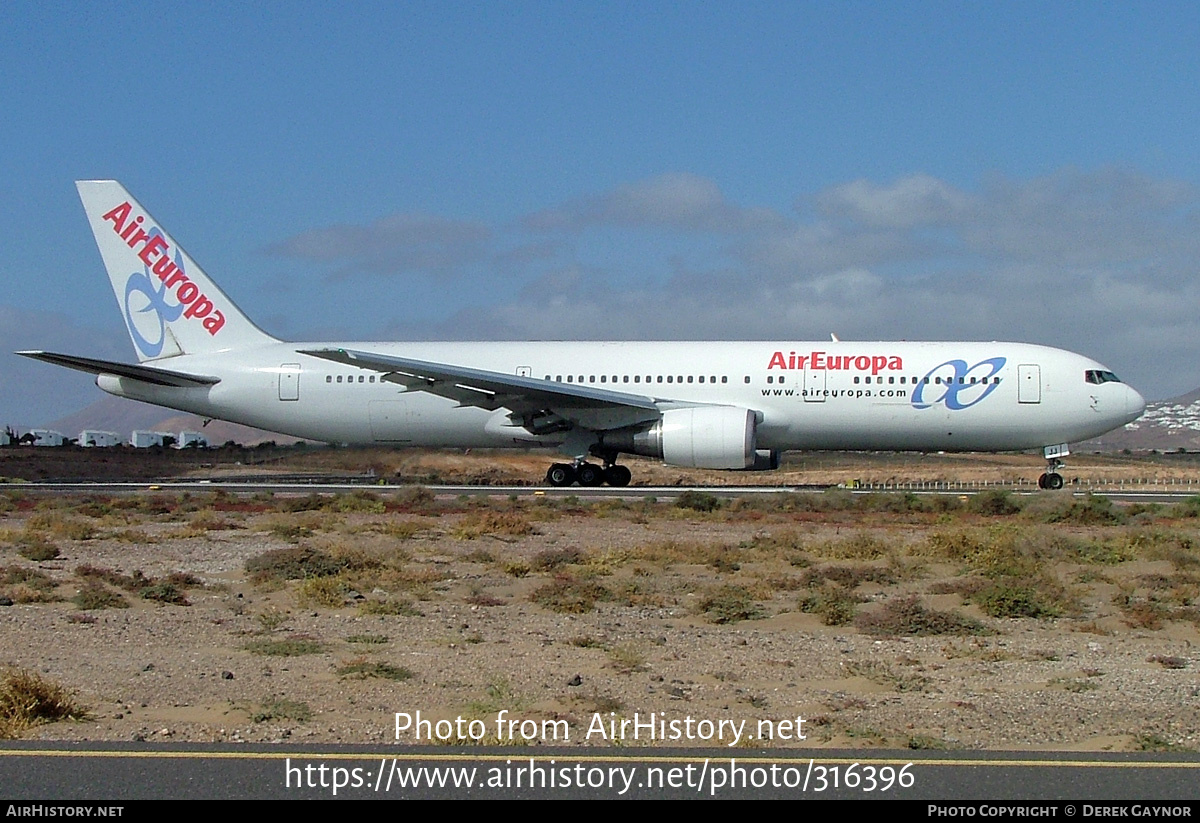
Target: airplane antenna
(834,338)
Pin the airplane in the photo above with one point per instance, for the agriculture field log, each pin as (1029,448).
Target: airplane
(713,405)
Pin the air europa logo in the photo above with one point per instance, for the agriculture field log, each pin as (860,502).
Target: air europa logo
(961,386)
(819,360)
(168,269)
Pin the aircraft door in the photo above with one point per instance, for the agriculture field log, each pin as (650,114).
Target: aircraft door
(289,381)
(1029,383)
(814,385)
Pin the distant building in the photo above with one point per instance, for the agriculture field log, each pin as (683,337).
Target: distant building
(192,440)
(89,438)
(46,437)
(146,439)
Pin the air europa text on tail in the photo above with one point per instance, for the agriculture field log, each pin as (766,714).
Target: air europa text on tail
(155,254)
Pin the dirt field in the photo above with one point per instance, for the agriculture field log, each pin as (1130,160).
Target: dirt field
(998,623)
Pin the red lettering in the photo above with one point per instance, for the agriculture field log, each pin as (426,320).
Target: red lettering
(188,292)
(894,364)
(118,216)
(155,247)
(877,363)
(777,361)
(817,360)
(214,322)
(201,308)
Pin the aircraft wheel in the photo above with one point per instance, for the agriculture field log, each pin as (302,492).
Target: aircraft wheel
(560,474)
(1054,481)
(617,476)
(1042,481)
(589,475)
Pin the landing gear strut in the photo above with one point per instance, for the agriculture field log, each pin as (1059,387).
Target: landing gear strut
(1051,479)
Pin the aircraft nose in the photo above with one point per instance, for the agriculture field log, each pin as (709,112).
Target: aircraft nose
(1135,404)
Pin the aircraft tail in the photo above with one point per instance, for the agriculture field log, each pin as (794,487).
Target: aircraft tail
(170,305)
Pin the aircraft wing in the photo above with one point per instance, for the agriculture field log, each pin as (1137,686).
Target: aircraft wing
(524,396)
(147,374)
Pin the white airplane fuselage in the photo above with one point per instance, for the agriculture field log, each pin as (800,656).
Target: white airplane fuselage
(718,405)
(1041,396)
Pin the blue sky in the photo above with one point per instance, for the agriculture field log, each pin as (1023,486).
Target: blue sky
(520,170)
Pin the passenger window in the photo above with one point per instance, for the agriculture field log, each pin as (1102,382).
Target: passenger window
(637,378)
(747,378)
(592,378)
(570,378)
(689,378)
(781,378)
(669,377)
(725,379)
(892,380)
(856,379)
(625,379)
(660,378)
(603,378)
(372,379)
(701,378)
(339,378)
(362,379)
(329,378)
(770,379)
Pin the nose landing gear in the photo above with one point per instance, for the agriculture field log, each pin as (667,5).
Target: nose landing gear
(1051,479)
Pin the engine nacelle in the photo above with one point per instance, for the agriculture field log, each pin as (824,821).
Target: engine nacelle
(708,437)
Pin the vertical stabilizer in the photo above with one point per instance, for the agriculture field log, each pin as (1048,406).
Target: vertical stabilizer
(170,305)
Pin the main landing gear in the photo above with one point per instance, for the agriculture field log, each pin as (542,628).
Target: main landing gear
(588,474)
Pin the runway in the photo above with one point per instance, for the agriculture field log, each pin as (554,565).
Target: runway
(659,493)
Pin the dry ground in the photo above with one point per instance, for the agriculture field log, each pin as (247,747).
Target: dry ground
(880,620)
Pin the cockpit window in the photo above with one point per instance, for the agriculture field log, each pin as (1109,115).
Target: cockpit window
(1098,376)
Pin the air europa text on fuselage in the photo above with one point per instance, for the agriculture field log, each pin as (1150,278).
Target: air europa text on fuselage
(819,360)
(155,254)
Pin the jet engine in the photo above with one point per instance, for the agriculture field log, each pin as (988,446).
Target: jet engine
(705,437)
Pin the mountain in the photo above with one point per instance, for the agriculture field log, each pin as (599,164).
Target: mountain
(1167,425)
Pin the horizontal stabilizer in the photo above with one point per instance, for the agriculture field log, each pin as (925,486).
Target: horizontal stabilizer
(146,374)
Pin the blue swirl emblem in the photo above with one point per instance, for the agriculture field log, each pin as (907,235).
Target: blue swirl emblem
(958,390)
(150,337)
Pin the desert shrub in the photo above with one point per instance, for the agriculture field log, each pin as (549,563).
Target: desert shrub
(1012,599)
(848,576)
(393,606)
(36,548)
(278,708)
(554,559)
(95,595)
(569,595)
(285,647)
(327,592)
(293,563)
(1088,511)
(698,501)
(859,546)
(729,604)
(906,617)
(993,503)
(27,699)
(477,524)
(833,604)
(163,592)
(363,669)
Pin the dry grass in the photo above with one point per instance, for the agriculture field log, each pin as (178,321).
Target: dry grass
(28,699)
